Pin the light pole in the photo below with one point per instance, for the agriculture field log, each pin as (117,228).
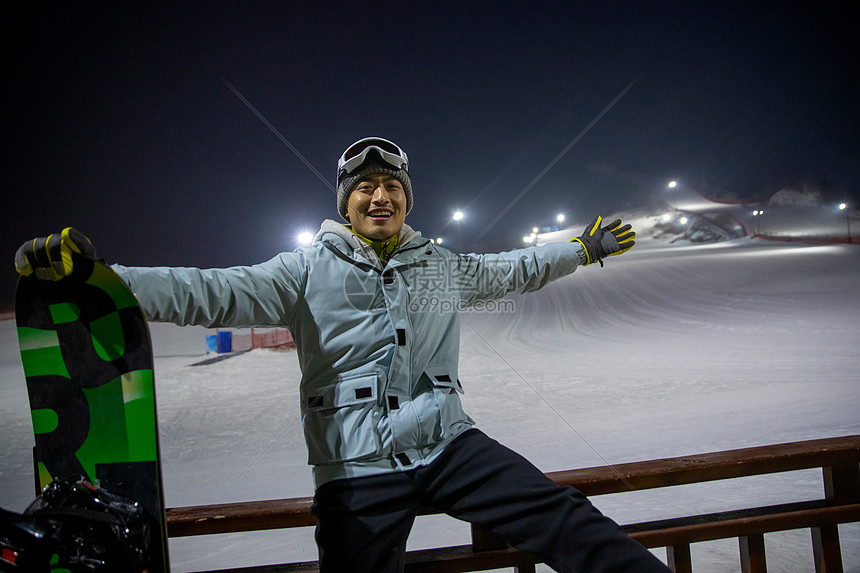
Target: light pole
(758,213)
(844,207)
(458,216)
(672,185)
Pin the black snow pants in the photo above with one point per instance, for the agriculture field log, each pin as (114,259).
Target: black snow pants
(363,523)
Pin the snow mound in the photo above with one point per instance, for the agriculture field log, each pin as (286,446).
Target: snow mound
(794,197)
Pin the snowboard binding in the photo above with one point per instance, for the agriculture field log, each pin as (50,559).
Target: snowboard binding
(77,526)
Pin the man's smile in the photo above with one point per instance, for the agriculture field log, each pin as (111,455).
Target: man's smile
(380,214)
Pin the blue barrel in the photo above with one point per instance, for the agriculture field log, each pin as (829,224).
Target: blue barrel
(211,343)
(225,342)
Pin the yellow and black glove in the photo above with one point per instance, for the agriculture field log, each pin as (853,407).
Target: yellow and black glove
(599,242)
(50,258)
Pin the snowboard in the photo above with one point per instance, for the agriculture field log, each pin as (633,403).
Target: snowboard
(87,359)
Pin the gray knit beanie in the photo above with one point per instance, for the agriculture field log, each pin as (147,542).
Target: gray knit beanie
(348,183)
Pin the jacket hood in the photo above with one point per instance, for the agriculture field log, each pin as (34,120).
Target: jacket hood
(330,231)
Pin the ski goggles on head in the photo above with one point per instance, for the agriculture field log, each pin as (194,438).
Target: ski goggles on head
(360,153)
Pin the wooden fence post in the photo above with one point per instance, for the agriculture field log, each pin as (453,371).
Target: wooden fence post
(483,540)
(680,560)
(753,559)
(841,486)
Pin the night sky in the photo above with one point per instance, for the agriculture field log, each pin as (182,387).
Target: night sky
(120,120)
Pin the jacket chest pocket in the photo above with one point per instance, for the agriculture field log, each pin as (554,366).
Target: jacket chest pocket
(340,420)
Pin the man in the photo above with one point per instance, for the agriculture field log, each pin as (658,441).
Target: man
(373,308)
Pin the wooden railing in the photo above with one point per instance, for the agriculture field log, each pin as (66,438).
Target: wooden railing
(839,459)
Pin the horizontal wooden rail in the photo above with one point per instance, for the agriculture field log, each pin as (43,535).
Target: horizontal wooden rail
(295,512)
(743,523)
(839,459)
(465,558)
(759,460)
(242,516)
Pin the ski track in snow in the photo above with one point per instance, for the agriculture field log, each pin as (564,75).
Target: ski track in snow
(665,352)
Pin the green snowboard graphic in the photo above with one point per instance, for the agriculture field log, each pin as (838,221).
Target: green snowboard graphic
(87,359)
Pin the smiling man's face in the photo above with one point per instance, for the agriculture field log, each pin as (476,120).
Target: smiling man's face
(377,207)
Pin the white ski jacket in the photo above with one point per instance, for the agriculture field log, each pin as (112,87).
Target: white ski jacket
(378,344)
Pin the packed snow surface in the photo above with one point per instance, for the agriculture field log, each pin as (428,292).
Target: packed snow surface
(672,349)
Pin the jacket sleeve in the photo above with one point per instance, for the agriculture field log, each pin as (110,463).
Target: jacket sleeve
(493,276)
(258,295)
